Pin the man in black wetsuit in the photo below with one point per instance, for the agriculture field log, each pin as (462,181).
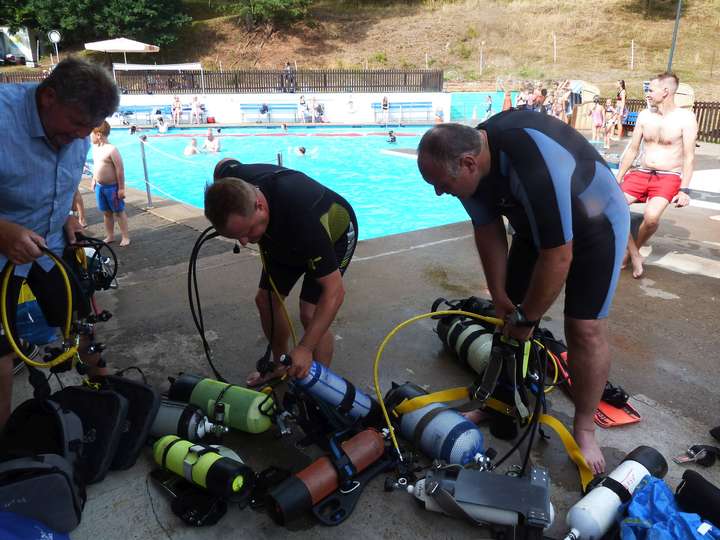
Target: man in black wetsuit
(570,222)
(302,229)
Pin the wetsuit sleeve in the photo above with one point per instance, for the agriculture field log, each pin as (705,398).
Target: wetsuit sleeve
(540,174)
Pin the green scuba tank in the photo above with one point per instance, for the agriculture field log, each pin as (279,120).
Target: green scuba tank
(204,466)
(233,406)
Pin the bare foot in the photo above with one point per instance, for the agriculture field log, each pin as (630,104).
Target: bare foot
(124,242)
(476,416)
(108,240)
(590,449)
(637,268)
(255,379)
(625,260)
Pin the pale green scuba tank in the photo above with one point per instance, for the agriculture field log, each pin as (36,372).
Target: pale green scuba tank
(233,406)
(469,340)
(204,466)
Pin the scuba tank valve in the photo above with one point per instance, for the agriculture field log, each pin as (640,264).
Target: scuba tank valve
(185,420)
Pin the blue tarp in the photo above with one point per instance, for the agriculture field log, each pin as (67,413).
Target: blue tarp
(653,514)
(14,527)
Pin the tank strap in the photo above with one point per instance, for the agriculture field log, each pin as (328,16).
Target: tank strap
(571,448)
(423,423)
(198,450)
(616,487)
(349,398)
(163,461)
(443,396)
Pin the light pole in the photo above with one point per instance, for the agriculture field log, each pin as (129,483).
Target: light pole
(55,37)
(482,45)
(674,38)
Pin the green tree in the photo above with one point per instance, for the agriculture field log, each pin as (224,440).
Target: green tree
(157,21)
(274,12)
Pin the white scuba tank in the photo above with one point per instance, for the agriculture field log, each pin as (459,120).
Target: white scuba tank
(592,516)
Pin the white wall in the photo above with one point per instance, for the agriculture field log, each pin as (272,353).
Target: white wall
(338,109)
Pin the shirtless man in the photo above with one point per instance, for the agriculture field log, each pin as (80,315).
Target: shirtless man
(192,148)
(109,183)
(211,144)
(669,134)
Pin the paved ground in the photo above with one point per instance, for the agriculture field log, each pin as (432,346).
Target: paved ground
(664,344)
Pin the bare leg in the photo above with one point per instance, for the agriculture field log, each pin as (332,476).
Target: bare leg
(651,219)
(123,224)
(323,353)
(630,199)
(635,257)
(109,227)
(6,384)
(276,330)
(589,363)
(79,207)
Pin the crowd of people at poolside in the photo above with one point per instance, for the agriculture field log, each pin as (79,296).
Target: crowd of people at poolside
(559,99)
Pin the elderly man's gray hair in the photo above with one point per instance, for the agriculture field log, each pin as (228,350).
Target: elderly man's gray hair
(445,144)
(88,86)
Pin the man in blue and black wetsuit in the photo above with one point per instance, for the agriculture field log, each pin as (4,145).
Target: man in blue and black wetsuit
(570,221)
(302,229)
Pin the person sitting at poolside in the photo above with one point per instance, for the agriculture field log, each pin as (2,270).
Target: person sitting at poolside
(192,148)
(391,137)
(211,144)
(305,230)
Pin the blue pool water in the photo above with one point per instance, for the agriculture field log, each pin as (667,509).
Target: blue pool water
(387,192)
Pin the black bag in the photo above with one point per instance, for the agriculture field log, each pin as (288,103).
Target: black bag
(42,426)
(44,488)
(104,415)
(698,496)
(144,402)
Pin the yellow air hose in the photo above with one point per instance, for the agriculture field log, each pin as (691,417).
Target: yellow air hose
(67,354)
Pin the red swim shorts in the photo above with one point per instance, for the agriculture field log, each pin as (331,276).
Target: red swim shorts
(644,184)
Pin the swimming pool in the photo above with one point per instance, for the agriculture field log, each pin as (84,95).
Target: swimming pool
(385,188)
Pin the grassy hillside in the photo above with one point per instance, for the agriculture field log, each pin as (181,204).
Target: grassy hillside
(593,40)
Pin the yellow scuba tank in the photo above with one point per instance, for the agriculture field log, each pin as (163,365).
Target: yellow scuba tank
(233,406)
(204,466)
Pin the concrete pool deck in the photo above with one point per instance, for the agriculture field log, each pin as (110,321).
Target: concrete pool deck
(664,342)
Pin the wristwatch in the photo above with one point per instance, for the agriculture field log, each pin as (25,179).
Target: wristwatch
(685,190)
(518,318)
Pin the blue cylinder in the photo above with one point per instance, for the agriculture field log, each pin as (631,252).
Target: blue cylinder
(324,385)
(442,433)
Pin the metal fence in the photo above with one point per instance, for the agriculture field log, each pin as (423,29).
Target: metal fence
(261,81)
(707,114)
(20,77)
(265,81)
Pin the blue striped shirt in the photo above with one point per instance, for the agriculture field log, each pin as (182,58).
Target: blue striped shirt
(37,182)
